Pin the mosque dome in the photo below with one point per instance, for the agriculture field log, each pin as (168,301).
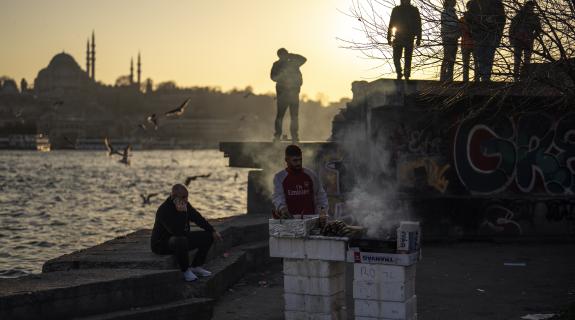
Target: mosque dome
(63,61)
(62,76)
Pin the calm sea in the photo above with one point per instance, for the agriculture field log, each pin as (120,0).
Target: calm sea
(61,201)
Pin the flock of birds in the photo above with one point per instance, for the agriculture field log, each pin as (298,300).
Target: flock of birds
(146,198)
(153,119)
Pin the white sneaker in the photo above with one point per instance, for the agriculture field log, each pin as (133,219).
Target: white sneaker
(201,271)
(189,275)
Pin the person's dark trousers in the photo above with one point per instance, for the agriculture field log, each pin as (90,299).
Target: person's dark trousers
(466,59)
(522,55)
(287,98)
(405,49)
(448,63)
(485,53)
(180,245)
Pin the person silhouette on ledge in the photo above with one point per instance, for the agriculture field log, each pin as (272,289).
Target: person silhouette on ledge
(404,28)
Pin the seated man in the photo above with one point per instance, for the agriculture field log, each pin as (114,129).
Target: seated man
(297,190)
(172,235)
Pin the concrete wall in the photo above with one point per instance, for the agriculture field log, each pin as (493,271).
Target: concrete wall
(493,174)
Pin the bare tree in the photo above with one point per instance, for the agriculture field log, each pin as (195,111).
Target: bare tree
(552,69)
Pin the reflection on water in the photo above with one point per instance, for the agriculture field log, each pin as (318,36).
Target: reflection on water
(58,202)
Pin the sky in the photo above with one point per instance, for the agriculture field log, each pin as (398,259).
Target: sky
(221,43)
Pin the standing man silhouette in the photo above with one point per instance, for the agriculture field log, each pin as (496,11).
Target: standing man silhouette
(525,28)
(287,76)
(405,26)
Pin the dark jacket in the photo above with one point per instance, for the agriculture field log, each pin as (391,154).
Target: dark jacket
(525,27)
(286,73)
(486,20)
(407,22)
(170,222)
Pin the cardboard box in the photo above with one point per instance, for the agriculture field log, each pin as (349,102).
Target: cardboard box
(292,227)
(408,237)
(386,309)
(399,259)
(312,268)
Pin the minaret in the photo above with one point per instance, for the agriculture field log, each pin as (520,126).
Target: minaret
(139,71)
(93,56)
(131,71)
(88,57)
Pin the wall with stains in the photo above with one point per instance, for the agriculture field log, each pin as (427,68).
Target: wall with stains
(494,174)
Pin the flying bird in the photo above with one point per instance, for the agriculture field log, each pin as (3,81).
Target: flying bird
(110,148)
(126,155)
(153,119)
(194,178)
(180,110)
(146,198)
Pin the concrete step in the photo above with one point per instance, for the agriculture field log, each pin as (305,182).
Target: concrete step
(185,309)
(63,294)
(133,250)
(228,269)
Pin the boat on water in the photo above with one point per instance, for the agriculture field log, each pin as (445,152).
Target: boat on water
(39,142)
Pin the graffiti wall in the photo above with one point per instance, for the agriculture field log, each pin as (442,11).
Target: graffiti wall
(490,175)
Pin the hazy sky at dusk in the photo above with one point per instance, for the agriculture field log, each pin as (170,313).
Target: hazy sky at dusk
(226,43)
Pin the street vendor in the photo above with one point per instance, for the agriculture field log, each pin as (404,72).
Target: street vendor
(297,190)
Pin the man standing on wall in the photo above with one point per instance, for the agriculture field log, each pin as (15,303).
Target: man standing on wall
(404,28)
(297,190)
(486,21)
(287,76)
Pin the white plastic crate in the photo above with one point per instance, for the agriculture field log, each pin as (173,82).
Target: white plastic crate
(312,268)
(382,272)
(313,303)
(292,227)
(387,290)
(325,286)
(313,248)
(301,315)
(414,317)
(386,309)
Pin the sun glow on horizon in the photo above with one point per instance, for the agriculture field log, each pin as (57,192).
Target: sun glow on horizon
(223,43)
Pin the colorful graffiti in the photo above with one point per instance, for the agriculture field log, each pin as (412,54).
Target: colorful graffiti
(533,154)
(434,174)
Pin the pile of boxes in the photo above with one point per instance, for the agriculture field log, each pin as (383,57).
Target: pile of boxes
(314,274)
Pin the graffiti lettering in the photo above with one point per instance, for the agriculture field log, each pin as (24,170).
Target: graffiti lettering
(534,151)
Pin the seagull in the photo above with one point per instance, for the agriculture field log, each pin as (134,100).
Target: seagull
(18,113)
(142,126)
(146,199)
(153,119)
(194,178)
(110,148)
(126,155)
(180,110)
